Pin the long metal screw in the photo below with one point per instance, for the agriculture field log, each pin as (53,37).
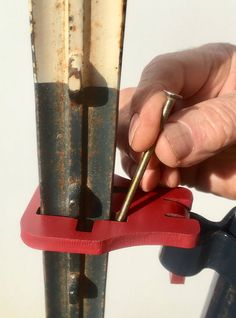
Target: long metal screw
(167,107)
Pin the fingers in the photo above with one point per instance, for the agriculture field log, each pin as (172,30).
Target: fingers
(200,70)
(199,132)
(191,134)
(170,177)
(130,163)
(144,125)
(151,176)
(196,74)
(124,119)
(215,175)
(155,174)
(125,97)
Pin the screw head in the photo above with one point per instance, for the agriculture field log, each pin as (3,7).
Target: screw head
(172,95)
(72,203)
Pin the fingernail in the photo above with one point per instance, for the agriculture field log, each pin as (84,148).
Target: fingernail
(134,123)
(180,139)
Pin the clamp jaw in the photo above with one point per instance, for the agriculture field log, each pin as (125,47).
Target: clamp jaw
(160,217)
(216,249)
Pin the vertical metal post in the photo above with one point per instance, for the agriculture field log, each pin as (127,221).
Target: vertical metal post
(222,303)
(76,48)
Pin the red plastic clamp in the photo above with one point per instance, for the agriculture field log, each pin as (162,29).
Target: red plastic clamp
(159,217)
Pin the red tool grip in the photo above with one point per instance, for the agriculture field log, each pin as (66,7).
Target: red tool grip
(159,217)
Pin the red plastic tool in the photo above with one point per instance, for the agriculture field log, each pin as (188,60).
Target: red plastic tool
(155,218)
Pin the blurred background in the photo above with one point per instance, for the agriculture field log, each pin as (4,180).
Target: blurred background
(141,286)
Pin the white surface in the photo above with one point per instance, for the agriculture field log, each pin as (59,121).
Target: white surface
(141,288)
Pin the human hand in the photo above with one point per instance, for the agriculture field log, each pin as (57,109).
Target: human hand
(197,146)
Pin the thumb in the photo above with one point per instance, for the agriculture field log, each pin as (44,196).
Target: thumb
(196,133)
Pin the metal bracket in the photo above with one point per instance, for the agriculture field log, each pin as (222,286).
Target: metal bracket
(216,249)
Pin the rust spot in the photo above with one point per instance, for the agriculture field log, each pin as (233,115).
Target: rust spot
(58,4)
(98,24)
(73,28)
(62,65)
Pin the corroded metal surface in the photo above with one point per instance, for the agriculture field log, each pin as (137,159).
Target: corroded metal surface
(76,48)
(102,44)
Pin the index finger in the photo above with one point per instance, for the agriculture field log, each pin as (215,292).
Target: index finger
(196,74)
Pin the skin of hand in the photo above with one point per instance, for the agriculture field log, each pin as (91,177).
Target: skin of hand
(197,146)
